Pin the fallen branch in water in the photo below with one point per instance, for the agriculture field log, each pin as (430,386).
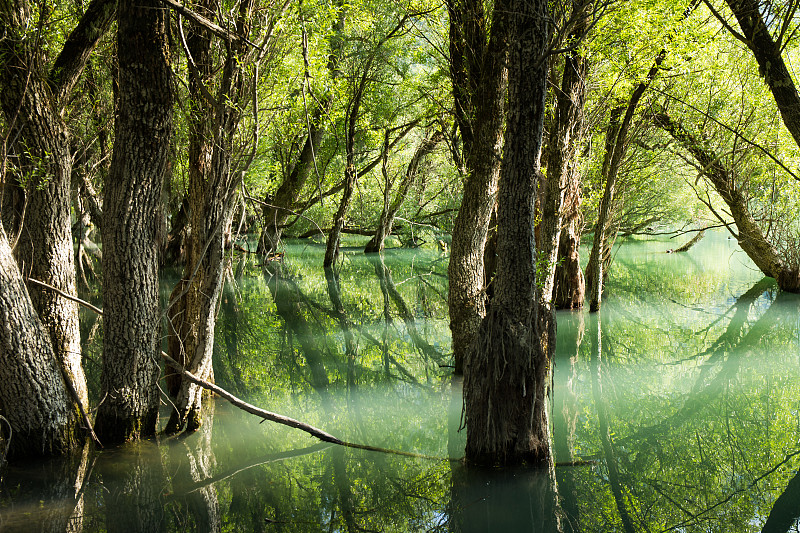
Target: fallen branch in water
(252,409)
(285,420)
(278,418)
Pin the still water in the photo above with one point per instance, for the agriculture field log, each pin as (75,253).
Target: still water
(681,396)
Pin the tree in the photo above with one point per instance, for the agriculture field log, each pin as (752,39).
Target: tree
(479,76)
(389,211)
(281,205)
(214,177)
(362,78)
(562,186)
(36,193)
(132,217)
(507,375)
(43,415)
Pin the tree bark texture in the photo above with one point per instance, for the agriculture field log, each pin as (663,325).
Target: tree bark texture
(131,211)
(507,373)
(568,286)
(33,395)
(212,186)
(566,134)
(479,76)
(425,147)
(32,102)
(751,238)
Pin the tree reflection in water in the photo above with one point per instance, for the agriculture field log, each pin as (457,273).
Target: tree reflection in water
(684,400)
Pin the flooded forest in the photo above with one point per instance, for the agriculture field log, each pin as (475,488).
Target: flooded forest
(462,266)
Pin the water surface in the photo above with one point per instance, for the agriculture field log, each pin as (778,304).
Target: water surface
(681,395)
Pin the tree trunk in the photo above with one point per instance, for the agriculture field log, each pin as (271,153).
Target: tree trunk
(507,374)
(567,288)
(335,235)
(33,395)
(751,238)
(212,185)
(287,195)
(426,146)
(131,212)
(566,134)
(770,61)
(479,76)
(32,102)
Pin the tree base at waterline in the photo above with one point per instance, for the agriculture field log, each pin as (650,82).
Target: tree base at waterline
(506,387)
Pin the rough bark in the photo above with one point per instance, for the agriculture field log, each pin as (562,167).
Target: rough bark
(131,211)
(507,374)
(213,180)
(479,76)
(386,220)
(751,238)
(33,395)
(566,134)
(32,102)
(567,288)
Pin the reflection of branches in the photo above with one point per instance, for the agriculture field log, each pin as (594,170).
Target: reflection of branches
(682,525)
(231,472)
(605,431)
(704,390)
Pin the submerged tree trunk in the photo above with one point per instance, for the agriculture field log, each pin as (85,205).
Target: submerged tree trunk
(132,211)
(751,238)
(479,77)
(694,240)
(213,181)
(568,285)
(507,374)
(33,395)
(285,199)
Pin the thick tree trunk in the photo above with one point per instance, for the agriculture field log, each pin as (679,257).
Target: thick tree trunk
(386,220)
(479,76)
(32,102)
(33,395)
(570,284)
(507,374)
(131,211)
(751,238)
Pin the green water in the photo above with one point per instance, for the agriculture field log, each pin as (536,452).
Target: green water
(681,395)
